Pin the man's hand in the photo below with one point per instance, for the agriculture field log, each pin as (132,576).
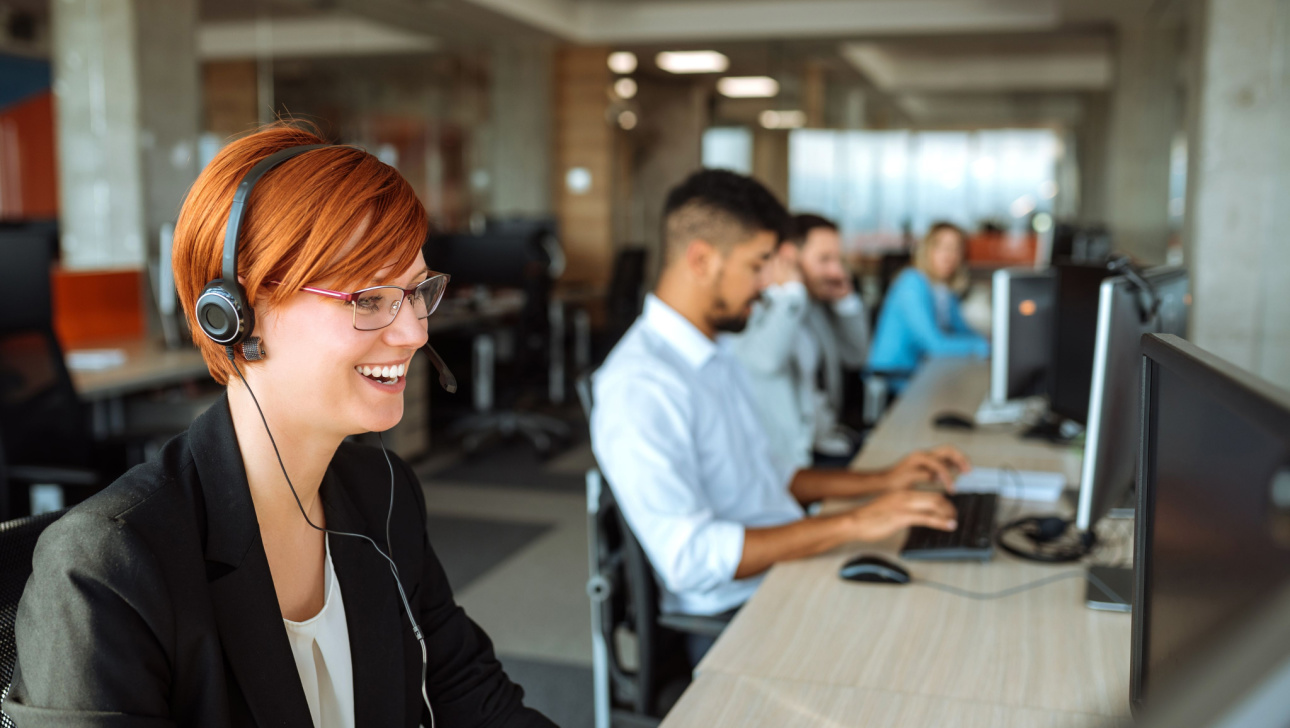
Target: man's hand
(832,289)
(783,265)
(892,512)
(940,464)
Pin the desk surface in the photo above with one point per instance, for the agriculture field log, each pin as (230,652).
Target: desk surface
(1041,652)
(148,364)
(716,699)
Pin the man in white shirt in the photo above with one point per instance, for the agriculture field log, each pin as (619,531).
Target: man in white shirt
(809,323)
(677,434)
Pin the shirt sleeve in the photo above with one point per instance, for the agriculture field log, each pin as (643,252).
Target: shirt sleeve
(914,303)
(766,346)
(465,682)
(641,437)
(91,631)
(851,328)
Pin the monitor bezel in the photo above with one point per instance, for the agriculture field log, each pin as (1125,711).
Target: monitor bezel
(1258,400)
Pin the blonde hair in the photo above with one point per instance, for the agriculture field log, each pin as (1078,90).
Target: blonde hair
(957,282)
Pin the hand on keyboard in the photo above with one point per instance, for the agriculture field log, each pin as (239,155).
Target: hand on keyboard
(892,512)
(940,465)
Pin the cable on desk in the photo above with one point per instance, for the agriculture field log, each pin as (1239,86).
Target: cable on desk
(1021,588)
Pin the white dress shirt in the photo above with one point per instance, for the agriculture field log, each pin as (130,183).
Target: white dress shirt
(320,646)
(677,434)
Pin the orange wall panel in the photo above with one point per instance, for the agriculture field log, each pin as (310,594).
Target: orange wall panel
(28,169)
(92,307)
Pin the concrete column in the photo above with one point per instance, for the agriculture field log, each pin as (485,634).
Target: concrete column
(1239,184)
(1146,111)
(1091,151)
(127,84)
(520,126)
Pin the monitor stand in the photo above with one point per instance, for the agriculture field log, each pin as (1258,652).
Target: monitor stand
(1110,588)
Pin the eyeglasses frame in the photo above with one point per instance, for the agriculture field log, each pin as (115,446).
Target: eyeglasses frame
(352,298)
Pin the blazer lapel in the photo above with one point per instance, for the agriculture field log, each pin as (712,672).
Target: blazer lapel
(373,611)
(242,594)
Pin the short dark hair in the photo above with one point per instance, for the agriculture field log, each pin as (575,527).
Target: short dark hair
(802,226)
(722,207)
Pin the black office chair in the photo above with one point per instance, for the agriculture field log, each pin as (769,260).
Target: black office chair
(516,256)
(625,297)
(17,542)
(625,598)
(44,427)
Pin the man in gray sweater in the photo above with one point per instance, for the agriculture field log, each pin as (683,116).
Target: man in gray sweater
(808,326)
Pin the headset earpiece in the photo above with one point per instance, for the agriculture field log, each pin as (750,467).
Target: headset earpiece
(224,314)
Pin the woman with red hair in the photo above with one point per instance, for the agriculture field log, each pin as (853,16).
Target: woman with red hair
(260,570)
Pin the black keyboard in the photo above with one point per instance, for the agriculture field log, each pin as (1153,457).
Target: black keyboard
(973,540)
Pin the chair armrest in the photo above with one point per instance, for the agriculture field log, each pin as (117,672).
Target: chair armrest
(31,474)
(689,624)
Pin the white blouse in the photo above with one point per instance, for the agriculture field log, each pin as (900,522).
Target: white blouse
(320,646)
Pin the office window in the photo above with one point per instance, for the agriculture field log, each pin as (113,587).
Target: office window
(728,147)
(880,185)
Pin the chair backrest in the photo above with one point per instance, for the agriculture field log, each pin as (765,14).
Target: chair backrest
(17,542)
(626,293)
(633,603)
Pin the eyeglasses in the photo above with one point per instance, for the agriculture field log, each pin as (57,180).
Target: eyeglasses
(376,307)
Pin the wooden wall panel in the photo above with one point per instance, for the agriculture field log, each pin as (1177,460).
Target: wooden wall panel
(584,138)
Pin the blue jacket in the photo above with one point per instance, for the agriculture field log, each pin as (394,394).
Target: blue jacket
(907,330)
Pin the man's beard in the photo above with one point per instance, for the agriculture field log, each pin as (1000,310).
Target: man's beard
(726,319)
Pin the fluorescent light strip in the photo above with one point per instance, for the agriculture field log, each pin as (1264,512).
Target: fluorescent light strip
(692,61)
(748,87)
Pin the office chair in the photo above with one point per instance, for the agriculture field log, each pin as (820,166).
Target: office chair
(17,542)
(527,258)
(625,297)
(44,428)
(624,598)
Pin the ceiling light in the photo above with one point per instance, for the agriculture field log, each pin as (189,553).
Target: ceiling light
(625,88)
(748,87)
(627,120)
(622,62)
(793,119)
(692,61)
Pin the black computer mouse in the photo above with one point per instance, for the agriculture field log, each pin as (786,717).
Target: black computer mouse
(954,421)
(873,570)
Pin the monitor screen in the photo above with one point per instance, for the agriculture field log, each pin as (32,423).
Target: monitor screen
(1111,445)
(1213,520)
(1021,329)
(1075,330)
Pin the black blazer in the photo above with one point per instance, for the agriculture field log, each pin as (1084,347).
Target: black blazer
(151,604)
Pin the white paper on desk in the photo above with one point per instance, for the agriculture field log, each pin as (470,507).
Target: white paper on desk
(1031,485)
(93,360)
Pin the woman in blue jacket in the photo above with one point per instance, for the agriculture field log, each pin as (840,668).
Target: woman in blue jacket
(921,317)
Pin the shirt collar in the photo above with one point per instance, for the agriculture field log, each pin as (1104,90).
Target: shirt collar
(682,335)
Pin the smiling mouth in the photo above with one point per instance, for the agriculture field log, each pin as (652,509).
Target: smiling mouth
(384,375)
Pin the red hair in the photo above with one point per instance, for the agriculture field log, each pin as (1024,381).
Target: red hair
(297,221)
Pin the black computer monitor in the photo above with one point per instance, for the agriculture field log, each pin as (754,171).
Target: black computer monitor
(1244,682)
(1126,311)
(1075,333)
(1212,541)
(26,256)
(503,258)
(1021,346)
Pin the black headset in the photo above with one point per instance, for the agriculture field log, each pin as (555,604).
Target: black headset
(223,313)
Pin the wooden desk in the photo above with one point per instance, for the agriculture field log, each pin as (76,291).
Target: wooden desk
(148,365)
(716,699)
(959,386)
(918,654)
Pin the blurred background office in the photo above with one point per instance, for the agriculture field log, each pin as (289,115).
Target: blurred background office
(552,130)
